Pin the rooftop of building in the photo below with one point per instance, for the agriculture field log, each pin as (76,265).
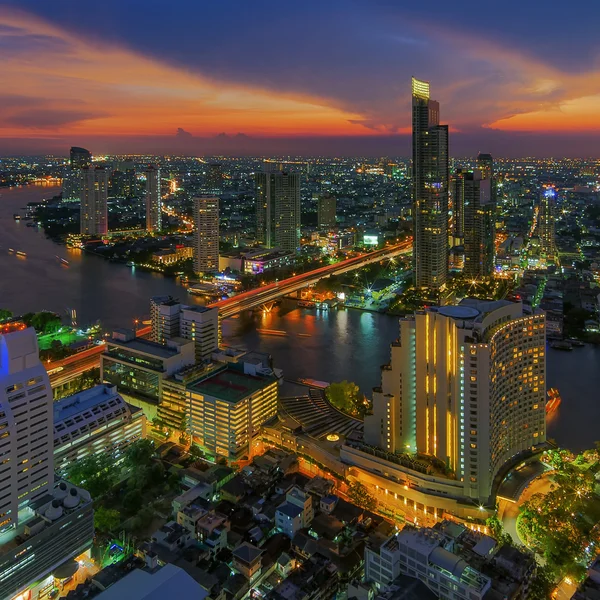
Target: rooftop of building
(138,344)
(230,385)
(247,553)
(85,400)
(59,502)
(290,510)
(197,309)
(169,581)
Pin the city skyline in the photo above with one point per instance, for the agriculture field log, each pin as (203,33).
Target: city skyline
(111,89)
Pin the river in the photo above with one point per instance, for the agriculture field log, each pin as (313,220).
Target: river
(328,346)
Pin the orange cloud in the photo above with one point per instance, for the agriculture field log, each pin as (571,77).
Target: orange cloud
(57,83)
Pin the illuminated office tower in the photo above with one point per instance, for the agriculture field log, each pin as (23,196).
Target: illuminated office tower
(153,199)
(485,164)
(547,221)
(457,193)
(326,211)
(278,210)
(26,444)
(94,201)
(78,159)
(214,178)
(479,225)
(430,190)
(466,384)
(206,237)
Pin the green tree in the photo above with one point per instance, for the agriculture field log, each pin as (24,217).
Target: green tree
(139,454)
(96,473)
(346,396)
(5,314)
(106,519)
(542,584)
(360,496)
(43,322)
(132,501)
(195,451)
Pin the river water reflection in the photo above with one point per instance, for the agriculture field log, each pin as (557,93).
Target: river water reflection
(328,346)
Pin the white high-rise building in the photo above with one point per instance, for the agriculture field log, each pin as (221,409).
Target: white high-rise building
(171,319)
(165,314)
(206,239)
(466,385)
(94,201)
(201,325)
(26,440)
(153,199)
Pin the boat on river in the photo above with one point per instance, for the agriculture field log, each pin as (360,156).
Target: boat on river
(561,345)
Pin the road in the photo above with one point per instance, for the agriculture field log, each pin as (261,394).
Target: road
(268,293)
(67,369)
(509,511)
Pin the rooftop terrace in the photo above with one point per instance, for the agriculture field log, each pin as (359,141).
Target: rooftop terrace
(231,386)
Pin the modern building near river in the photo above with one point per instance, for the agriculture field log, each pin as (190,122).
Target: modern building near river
(153,199)
(43,524)
(171,319)
(206,236)
(463,396)
(223,407)
(96,420)
(94,201)
(138,366)
(26,465)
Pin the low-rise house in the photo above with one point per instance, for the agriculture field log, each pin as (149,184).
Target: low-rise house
(247,561)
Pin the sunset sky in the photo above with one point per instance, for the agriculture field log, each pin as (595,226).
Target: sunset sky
(310,77)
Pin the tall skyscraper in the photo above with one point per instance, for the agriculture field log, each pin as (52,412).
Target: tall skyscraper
(479,225)
(457,192)
(278,210)
(153,199)
(547,221)
(467,385)
(485,163)
(430,190)
(206,237)
(79,158)
(326,211)
(26,443)
(94,201)
(214,178)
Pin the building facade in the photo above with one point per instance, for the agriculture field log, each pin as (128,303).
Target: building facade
(547,222)
(200,324)
(206,236)
(138,366)
(94,421)
(56,528)
(78,159)
(278,210)
(228,408)
(428,555)
(466,386)
(478,225)
(94,201)
(26,459)
(153,199)
(430,190)
(326,209)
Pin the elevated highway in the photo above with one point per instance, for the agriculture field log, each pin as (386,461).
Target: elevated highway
(268,293)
